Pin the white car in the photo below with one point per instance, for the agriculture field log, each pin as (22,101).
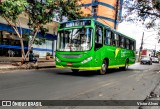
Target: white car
(155,60)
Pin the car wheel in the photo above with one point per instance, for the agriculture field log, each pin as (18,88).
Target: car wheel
(126,65)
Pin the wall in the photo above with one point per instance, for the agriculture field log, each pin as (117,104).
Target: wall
(37,49)
(106,11)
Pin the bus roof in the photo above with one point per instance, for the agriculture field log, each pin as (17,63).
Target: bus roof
(114,30)
(101,25)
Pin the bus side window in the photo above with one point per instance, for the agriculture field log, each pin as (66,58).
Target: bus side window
(131,45)
(107,37)
(112,39)
(117,40)
(99,33)
(122,42)
(127,43)
(134,45)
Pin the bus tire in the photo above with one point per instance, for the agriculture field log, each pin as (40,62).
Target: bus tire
(104,68)
(75,70)
(126,65)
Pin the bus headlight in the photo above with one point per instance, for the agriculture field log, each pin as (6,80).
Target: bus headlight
(57,60)
(86,60)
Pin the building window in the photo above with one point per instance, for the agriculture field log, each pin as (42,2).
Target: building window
(1,37)
(94,0)
(94,10)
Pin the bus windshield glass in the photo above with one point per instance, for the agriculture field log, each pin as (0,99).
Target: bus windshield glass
(75,39)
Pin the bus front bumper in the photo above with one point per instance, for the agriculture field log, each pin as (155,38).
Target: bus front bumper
(80,68)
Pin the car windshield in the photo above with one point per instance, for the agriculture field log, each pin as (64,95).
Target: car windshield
(145,58)
(77,39)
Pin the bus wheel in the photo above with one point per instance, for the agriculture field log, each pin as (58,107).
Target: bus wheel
(104,68)
(75,70)
(126,66)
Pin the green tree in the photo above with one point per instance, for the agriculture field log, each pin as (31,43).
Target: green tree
(39,14)
(145,11)
(10,11)
(69,8)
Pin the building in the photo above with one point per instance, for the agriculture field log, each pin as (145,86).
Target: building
(10,44)
(107,12)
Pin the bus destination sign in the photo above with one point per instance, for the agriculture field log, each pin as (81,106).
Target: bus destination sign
(75,23)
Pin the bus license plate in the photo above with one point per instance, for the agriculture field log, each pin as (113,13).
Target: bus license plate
(69,64)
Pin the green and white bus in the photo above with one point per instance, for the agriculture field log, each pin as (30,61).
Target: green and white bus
(90,45)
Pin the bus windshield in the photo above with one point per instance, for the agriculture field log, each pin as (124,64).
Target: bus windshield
(75,39)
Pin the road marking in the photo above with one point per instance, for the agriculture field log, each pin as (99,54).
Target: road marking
(106,84)
(101,86)
(158,72)
(132,75)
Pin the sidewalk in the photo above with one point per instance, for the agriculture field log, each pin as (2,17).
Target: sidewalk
(11,63)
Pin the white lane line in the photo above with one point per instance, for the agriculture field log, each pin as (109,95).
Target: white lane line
(87,91)
(158,72)
(132,75)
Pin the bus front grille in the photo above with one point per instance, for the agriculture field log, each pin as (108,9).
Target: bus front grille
(71,56)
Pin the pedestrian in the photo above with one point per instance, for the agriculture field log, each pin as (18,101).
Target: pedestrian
(31,57)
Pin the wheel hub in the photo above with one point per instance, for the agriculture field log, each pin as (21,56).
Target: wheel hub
(103,67)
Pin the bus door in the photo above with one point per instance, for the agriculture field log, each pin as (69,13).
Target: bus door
(117,49)
(112,49)
(98,45)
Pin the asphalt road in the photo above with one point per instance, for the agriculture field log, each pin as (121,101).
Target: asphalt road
(61,84)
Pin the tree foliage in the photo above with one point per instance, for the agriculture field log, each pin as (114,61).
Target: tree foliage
(143,8)
(12,8)
(69,8)
(145,11)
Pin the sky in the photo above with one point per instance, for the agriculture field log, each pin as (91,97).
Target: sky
(136,30)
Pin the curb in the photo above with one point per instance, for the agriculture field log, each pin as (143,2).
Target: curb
(27,68)
(7,62)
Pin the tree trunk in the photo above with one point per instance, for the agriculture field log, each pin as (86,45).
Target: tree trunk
(30,46)
(22,51)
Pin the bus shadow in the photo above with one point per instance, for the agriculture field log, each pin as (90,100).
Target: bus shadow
(80,73)
(117,70)
(92,73)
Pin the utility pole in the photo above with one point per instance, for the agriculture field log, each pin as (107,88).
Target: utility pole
(155,50)
(141,47)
